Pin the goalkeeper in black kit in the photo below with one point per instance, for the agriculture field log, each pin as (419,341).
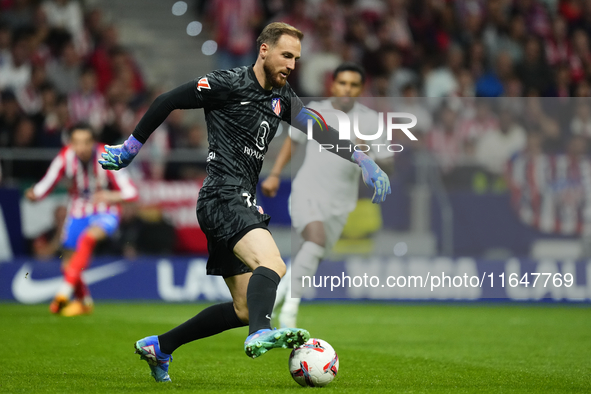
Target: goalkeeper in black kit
(243,108)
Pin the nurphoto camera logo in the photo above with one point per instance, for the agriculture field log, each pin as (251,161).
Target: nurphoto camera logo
(367,123)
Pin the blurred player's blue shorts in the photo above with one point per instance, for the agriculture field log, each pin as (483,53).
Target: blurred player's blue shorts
(76,226)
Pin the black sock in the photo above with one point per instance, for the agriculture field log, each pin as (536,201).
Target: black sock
(260,297)
(208,322)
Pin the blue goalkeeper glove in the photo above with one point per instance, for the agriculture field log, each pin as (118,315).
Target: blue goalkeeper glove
(373,177)
(117,157)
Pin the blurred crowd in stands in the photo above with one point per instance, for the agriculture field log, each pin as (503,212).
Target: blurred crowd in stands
(61,62)
(460,49)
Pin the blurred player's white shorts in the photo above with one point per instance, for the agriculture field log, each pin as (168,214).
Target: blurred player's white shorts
(305,209)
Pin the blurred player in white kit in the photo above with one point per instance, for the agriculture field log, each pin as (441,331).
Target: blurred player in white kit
(325,189)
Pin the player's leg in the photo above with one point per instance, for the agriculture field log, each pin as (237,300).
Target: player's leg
(82,303)
(60,300)
(311,252)
(258,250)
(81,291)
(305,263)
(100,226)
(73,283)
(157,349)
(283,289)
(238,285)
(84,248)
(72,232)
(211,320)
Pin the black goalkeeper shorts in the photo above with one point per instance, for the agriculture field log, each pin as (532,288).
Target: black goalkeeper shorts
(225,214)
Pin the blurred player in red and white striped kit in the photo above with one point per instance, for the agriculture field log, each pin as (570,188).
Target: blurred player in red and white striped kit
(93,212)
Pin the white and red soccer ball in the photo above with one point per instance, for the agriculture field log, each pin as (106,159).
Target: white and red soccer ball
(314,364)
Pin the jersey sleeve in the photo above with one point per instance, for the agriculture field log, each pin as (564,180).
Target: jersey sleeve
(326,135)
(54,173)
(294,105)
(209,90)
(297,116)
(297,135)
(213,89)
(121,181)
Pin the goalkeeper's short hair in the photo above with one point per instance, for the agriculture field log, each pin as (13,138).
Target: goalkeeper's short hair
(273,31)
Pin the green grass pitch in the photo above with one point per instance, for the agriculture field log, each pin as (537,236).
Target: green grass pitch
(400,348)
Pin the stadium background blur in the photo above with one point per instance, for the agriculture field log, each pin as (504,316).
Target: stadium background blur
(499,178)
(104,61)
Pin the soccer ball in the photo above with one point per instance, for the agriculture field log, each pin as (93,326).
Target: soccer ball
(314,364)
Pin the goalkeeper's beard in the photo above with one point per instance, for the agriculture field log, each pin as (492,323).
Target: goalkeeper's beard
(273,78)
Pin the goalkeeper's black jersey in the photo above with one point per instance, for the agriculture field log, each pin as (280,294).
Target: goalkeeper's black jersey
(242,118)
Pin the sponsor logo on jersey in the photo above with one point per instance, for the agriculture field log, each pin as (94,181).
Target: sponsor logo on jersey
(253,153)
(203,83)
(276,105)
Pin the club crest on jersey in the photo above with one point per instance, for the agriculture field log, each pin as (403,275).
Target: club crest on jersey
(276,105)
(203,83)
